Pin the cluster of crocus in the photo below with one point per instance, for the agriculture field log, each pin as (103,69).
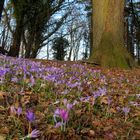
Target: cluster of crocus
(14,110)
(28,73)
(30,116)
(63,114)
(100,92)
(70,78)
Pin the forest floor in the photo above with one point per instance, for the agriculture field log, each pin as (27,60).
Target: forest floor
(51,100)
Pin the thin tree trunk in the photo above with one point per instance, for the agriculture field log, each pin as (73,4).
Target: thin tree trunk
(108,42)
(71,46)
(138,52)
(1,7)
(47,51)
(132,40)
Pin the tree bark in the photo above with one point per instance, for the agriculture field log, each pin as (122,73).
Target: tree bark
(1,7)
(17,36)
(15,48)
(108,28)
(91,28)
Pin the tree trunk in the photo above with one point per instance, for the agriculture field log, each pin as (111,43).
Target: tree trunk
(108,42)
(15,48)
(91,29)
(29,45)
(138,52)
(1,7)
(34,51)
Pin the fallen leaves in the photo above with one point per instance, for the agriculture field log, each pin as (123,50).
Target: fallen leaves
(112,110)
(4,130)
(98,96)
(104,100)
(2,137)
(2,94)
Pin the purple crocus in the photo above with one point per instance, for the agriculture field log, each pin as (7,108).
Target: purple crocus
(30,116)
(102,91)
(58,124)
(109,100)
(32,80)
(14,79)
(57,112)
(65,101)
(64,114)
(126,110)
(69,106)
(19,110)
(34,134)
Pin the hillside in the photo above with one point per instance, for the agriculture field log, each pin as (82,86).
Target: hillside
(67,100)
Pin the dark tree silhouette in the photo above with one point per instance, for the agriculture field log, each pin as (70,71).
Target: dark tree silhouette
(59,47)
(1,7)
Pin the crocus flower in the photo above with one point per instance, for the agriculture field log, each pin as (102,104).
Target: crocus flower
(19,110)
(102,91)
(109,101)
(57,112)
(32,80)
(64,114)
(126,110)
(14,79)
(30,116)
(58,124)
(69,106)
(34,134)
(65,101)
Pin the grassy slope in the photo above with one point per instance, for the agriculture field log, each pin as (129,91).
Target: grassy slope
(99,97)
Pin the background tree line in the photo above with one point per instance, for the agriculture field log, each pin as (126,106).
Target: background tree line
(28,27)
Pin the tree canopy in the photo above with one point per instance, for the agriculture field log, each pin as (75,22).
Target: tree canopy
(108,36)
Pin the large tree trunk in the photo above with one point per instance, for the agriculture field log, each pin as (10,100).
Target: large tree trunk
(108,42)
(15,48)
(29,44)
(1,7)
(91,29)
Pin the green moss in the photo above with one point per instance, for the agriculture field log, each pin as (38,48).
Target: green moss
(111,53)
